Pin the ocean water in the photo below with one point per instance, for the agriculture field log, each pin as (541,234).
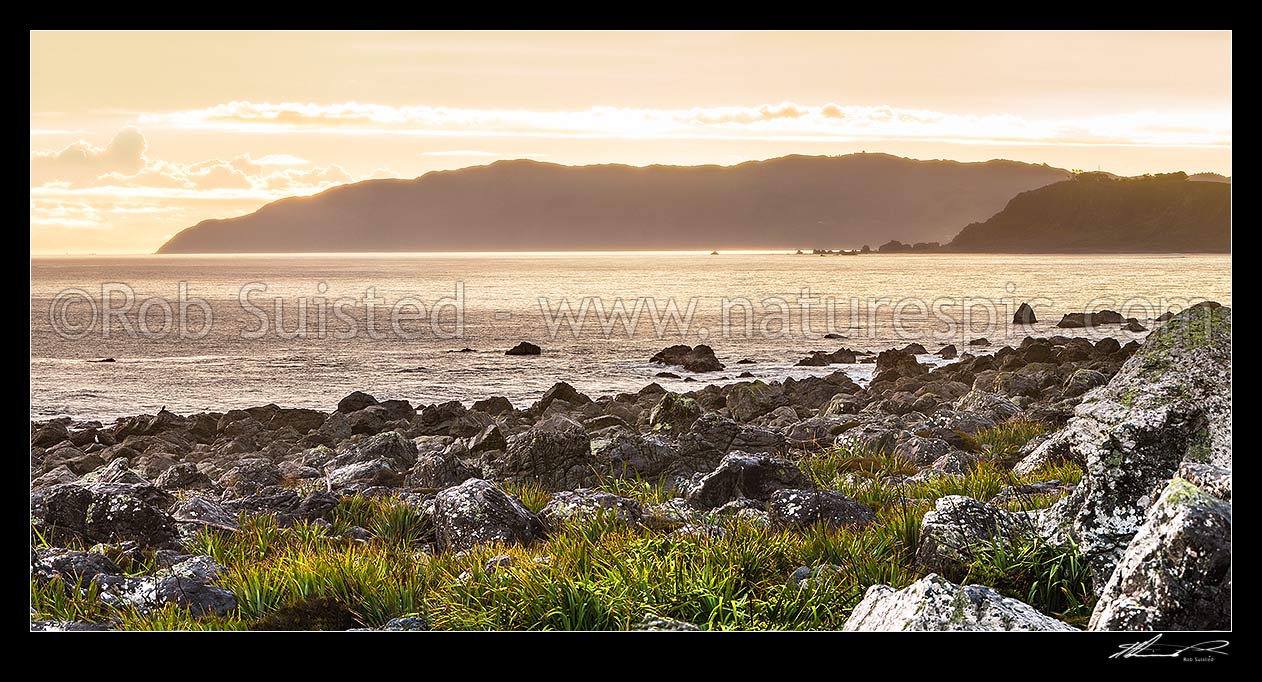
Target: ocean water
(305,330)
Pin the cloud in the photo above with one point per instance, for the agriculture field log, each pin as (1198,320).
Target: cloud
(81,161)
(784,121)
(82,194)
(122,166)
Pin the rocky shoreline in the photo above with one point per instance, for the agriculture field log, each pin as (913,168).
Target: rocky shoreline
(115,508)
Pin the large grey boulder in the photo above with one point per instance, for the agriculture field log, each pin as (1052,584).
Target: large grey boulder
(796,509)
(116,471)
(476,512)
(674,413)
(923,451)
(996,407)
(72,567)
(585,504)
(148,593)
(1170,403)
(754,399)
(439,470)
(626,454)
(184,476)
(103,512)
(200,511)
(958,526)
(555,453)
(1176,573)
(935,604)
(391,446)
(741,474)
(376,472)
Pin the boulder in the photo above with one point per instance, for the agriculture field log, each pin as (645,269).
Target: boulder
(555,452)
(489,438)
(1170,403)
(935,604)
(116,471)
(103,512)
(674,414)
(476,512)
(816,432)
(1176,572)
(626,454)
(819,358)
(584,504)
(184,476)
(440,470)
(922,451)
(900,362)
(251,474)
(559,391)
(72,567)
(746,401)
(391,446)
(272,499)
(742,475)
(494,406)
(355,402)
(796,509)
(524,348)
(1024,315)
(374,472)
(54,476)
(957,526)
(1081,381)
(698,359)
(201,511)
(948,352)
(148,593)
(1214,480)
(1080,320)
(995,407)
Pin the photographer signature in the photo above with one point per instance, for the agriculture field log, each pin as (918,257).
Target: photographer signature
(1152,649)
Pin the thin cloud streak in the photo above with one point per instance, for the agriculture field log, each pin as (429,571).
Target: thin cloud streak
(784,122)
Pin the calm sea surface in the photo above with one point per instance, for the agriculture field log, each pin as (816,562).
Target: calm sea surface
(313,328)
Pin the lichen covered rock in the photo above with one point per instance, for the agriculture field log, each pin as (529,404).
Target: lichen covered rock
(934,603)
(1176,573)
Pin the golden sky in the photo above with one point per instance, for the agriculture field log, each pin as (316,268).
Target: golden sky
(137,135)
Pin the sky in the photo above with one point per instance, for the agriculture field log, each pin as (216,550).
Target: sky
(137,135)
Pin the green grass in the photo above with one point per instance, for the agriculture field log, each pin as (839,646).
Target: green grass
(602,574)
(1002,443)
(533,495)
(1054,580)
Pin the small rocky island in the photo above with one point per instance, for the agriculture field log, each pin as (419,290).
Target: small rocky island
(803,504)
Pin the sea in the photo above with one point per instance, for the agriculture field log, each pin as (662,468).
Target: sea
(217,332)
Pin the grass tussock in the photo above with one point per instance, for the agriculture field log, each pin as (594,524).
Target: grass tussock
(1054,580)
(600,574)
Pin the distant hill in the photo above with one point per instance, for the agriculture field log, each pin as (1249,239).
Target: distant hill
(788,202)
(1209,177)
(1095,213)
